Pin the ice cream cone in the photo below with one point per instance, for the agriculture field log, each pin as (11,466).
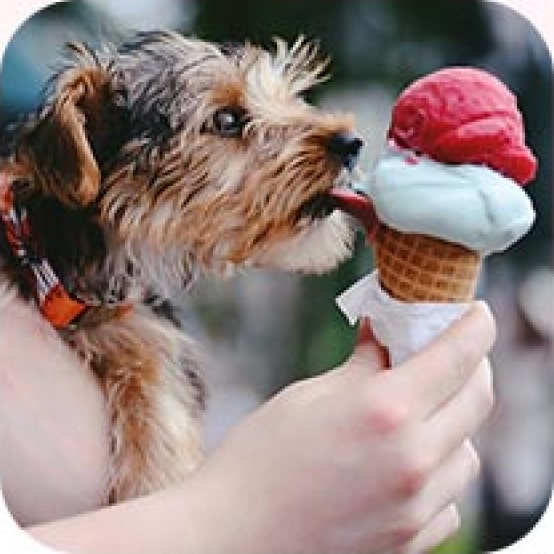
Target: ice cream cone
(419,268)
(449,177)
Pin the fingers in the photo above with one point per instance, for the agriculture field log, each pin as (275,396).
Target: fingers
(462,415)
(368,354)
(441,369)
(449,481)
(431,511)
(438,530)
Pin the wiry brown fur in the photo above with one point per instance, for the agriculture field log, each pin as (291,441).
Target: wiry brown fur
(132,190)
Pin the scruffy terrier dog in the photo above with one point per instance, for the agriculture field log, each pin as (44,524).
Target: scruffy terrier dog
(146,166)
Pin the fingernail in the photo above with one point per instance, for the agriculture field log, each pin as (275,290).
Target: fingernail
(479,306)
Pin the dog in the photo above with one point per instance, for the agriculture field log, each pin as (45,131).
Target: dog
(148,165)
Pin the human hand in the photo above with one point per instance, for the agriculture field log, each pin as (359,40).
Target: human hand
(358,459)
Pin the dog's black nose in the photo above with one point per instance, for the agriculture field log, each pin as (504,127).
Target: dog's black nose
(346,146)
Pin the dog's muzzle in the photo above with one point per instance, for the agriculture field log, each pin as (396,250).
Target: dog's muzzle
(346,147)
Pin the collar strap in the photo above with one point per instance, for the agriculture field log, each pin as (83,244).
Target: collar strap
(61,309)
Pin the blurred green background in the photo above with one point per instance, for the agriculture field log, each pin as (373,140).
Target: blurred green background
(264,330)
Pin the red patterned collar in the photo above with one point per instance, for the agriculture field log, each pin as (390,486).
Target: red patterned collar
(61,309)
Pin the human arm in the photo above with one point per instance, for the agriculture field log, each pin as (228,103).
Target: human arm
(357,459)
(53,429)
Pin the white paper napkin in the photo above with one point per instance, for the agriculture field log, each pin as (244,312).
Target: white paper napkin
(403,327)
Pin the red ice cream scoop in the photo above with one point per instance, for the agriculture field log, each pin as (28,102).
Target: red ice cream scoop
(464,115)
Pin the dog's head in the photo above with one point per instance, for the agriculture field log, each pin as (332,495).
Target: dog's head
(180,142)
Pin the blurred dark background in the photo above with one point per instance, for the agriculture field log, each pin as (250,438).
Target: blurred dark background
(264,330)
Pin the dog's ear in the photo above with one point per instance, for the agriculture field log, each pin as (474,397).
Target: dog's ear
(66,145)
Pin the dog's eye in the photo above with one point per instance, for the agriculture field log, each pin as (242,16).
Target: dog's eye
(230,121)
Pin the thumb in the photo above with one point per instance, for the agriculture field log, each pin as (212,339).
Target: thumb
(368,353)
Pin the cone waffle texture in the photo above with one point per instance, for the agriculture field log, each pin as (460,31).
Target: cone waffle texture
(418,268)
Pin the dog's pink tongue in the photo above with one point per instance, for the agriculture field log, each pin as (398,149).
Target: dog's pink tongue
(357,205)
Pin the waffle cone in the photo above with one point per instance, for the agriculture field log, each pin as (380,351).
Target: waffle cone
(419,268)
